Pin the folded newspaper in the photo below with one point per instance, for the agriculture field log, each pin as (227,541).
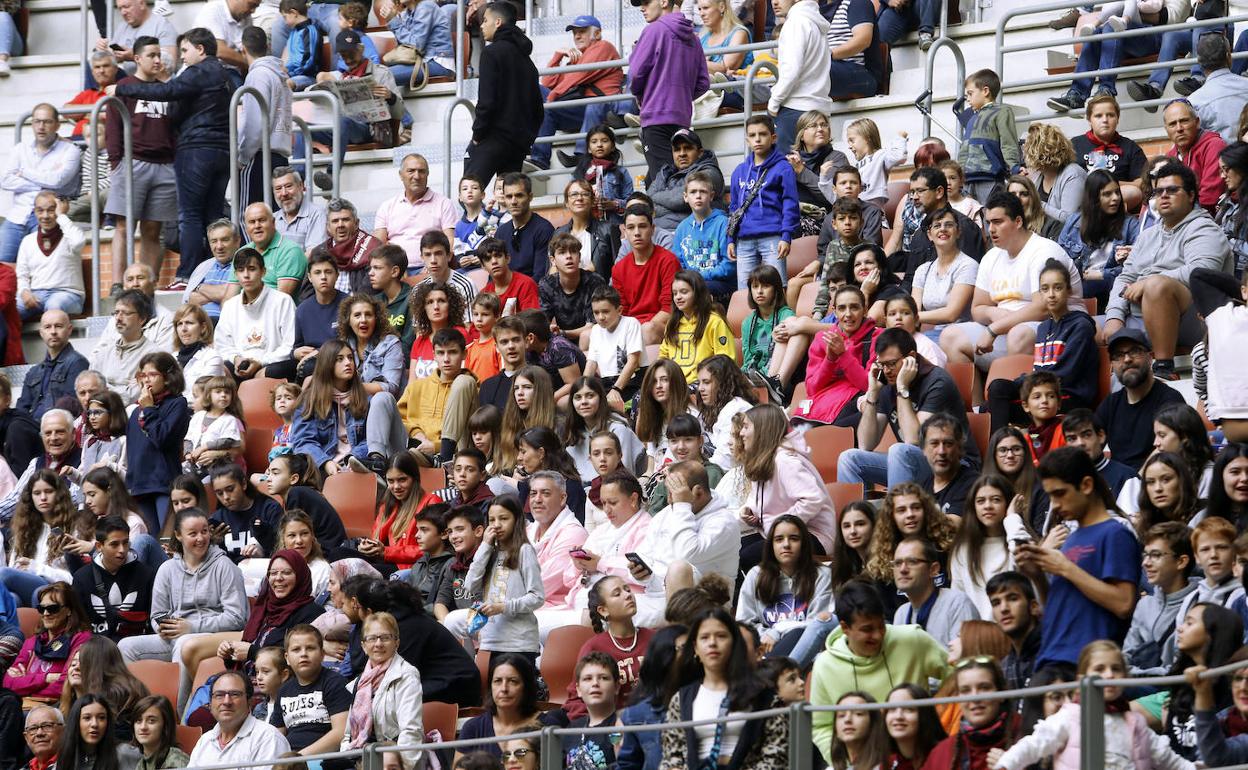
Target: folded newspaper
(358,100)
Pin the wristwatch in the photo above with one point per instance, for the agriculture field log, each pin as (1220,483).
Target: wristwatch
(903,392)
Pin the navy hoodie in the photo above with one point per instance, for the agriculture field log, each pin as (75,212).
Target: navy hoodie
(774,211)
(1068,349)
(203,93)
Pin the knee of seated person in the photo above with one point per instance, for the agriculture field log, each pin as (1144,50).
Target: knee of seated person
(900,450)
(383,398)
(679,575)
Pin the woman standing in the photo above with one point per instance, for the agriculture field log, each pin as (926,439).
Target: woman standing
(192,345)
(388,697)
(154,436)
(600,240)
(1098,237)
(39,670)
(1050,160)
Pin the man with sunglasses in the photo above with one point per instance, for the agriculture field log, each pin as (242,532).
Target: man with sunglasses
(44,726)
(1153,290)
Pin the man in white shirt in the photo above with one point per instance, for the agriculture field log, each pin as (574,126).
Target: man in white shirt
(417,210)
(43,162)
(1007,306)
(238,737)
(226,20)
(117,355)
(49,262)
(159,324)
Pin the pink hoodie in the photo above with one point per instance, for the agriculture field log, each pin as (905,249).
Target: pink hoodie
(554,556)
(798,489)
(831,383)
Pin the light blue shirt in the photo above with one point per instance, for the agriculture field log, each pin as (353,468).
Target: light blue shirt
(1219,101)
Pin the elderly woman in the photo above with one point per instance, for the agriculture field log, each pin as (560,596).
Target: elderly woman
(192,343)
(388,697)
(39,670)
(1051,164)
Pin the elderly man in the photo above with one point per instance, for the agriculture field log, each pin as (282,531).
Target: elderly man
(1222,96)
(284,262)
(60,450)
(53,377)
(44,726)
(104,72)
(351,247)
(213,282)
(588,47)
(49,261)
(1153,291)
(1197,149)
(140,22)
(417,210)
(159,325)
(238,736)
(117,356)
(301,217)
(19,433)
(45,161)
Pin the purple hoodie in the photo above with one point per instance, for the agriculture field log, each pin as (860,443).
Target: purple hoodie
(667,71)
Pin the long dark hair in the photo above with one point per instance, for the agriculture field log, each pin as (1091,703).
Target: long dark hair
(1025,480)
(404,463)
(73,754)
(1096,228)
(28,523)
(556,457)
(574,427)
(930,731)
(873,751)
(416,307)
(317,400)
(847,564)
(392,596)
(768,586)
(746,689)
(168,725)
(971,534)
(657,666)
(113,486)
(104,672)
(652,416)
(1225,630)
(1181,510)
(731,383)
(703,306)
(1235,157)
(1220,503)
(1193,439)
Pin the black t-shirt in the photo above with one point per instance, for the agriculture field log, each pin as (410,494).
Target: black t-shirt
(952,499)
(590,752)
(1123,159)
(257,524)
(305,710)
(570,311)
(933,391)
(1130,426)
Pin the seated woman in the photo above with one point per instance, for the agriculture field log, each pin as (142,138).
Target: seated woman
(1050,160)
(363,324)
(155,734)
(334,405)
(811,154)
(510,702)
(1008,456)
(39,552)
(869,272)
(1232,211)
(993,723)
(90,740)
(787,589)
(293,480)
(989,523)
(391,689)
(664,394)
(836,373)
(192,345)
(426,27)
(393,544)
(531,404)
(245,521)
(943,288)
(600,240)
(38,672)
(588,414)
(1098,237)
(613,616)
(722,392)
(433,306)
(104,493)
(334,617)
(1021,187)
(97,667)
(1167,493)
(721,28)
(539,449)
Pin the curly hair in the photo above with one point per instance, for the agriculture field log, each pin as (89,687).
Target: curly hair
(381,318)
(28,522)
(416,307)
(1047,147)
(936,527)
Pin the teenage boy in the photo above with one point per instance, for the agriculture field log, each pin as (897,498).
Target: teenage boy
(312,705)
(938,611)
(303,47)
(435,409)
(257,326)
(470,481)
(764,190)
(684,442)
(465,527)
(565,294)
(616,350)
(643,277)
(115,588)
(1082,429)
(476,223)
(386,267)
(316,318)
(1042,398)
(597,679)
(509,338)
(515,291)
(1092,581)
(435,252)
(865,654)
(430,569)
(1168,566)
(846,220)
(701,239)
(1016,610)
(1213,543)
(481,357)
(560,357)
(989,149)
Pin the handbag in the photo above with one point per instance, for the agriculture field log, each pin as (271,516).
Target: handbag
(1209,9)
(734,218)
(409,55)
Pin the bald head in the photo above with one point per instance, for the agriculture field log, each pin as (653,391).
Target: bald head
(1181,123)
(54,329)
(258,222)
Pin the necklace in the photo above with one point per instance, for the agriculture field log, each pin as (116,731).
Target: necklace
(621,647)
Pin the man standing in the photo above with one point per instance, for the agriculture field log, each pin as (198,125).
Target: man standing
(155,184)
(527,235)
(44,726)
(1153,290)
(417,210)
(284,262)
(351,247)
(1196,148)
(53,378)
(266,74)
(938,611)
(202,158)
(237,736)
(509,101)
(1221,98)
(667,71)
(139,22)
(43,162)
(1128,413)
(300,217)
(213,283)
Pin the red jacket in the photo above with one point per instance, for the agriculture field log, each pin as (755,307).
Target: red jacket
(12,353)
(1202,159)
(403,550)
(86,99)
(608,81)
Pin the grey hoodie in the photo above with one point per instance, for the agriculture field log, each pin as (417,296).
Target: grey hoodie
(212,597)
(1196,241)
(520,591)
(1148,647)
(268,76)
(667,190)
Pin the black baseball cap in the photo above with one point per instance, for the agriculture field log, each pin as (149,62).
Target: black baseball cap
(687,136)
(348,38)
(1130,335)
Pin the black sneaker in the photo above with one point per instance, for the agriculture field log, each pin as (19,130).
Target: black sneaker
(376,462)
(1144,91)
(323,181)
(1187,85)
(1164,370)
(566,158)
(615,120)
(1071,100)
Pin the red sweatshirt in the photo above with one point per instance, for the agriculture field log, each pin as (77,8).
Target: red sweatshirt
(645,290)
(1202,159)
(608,81)
(629,662)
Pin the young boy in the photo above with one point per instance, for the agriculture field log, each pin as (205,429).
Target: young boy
(565,294)
(701,240)
(509,339)
(846,219)
(465,528)
(616,351)
(430,569)
(435,409)
(558,355)
(475,224)
(354,16)
(1213,543)
(481,357)
(764,186)
(1083,429)
(597,680)
(316,318)
(1168,566)
(989,150)
(115,572)
(470,481)
(303,47)
(684,442)
(846,182)
(312,705)
(1042,400)
(515,291)
(386,267)
(435,252)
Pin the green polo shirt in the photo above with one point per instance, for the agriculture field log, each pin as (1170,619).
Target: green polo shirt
(282,259)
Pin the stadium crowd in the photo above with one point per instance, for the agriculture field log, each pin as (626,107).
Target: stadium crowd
(727,440)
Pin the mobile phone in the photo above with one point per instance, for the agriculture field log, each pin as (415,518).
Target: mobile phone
(115,47)
(159,617)
(579,553)
(633,558)
(167,541)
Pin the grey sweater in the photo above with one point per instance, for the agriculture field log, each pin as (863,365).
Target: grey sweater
(778,618)
(944,622)
(1067,193)
(1147,646)
(520,591)
(212,597)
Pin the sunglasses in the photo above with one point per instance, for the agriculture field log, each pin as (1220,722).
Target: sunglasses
(50,609)
(518,754)
(975,660)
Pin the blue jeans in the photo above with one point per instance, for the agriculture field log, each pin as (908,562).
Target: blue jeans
(50,299)
(323,15)
(203,174)
(752,252)
(811,643)
(11,235)
(569,119)
(147,550)
(154,508)
(1107,54)
(903,462)
(894,23)
(22,585)
(786,127)
(403,72)
(352,130)
(10,40)
(850,79)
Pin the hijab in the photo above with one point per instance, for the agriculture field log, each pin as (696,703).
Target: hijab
(271,611)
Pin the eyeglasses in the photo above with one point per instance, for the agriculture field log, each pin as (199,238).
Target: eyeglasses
(908,562)
(281,573)
(1156,555)
(1010,450)
(919,190)
(1132,352)
(578,194)
(1167,191)
(975,660)
(119,313)
(890,365)
(50,609)
(228,694)
(1241,678)
(518,754)
(374,638)
(42,727)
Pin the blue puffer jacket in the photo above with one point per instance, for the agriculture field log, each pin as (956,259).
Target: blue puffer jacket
(425,29)
(203,93)
(319,437)
(1079,252)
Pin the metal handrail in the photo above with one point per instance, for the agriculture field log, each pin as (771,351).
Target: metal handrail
(127,165)
(750,75)
(929,75)
(266,154)
(335,106)
(308,168)
(446,138)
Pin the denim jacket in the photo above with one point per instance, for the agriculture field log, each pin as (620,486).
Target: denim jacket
(1079,252)
(425,29)
(319,437)
(1238,236)
(642,750)
(382,362)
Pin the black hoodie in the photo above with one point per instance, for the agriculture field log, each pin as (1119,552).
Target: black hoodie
(509,101)
(447,673)
(117,605)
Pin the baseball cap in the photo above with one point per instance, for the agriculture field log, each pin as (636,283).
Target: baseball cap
(583,21)
(348,38)
(687,136)
(1130,335)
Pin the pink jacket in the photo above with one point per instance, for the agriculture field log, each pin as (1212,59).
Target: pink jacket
(1129,743)
(831,383)
(609,543)
(34,683)
(553,554)
(798,489)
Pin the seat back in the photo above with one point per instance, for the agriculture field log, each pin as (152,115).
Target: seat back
(981,430)
(963,374)
(826,443)
(187,736)
(843,493)
(442,717)
(559,657)
(802,251)
(256,397)
(160,676)
(738,310)
(207,668)
(354,496)
(28,621)
(259,441)
(1010,367)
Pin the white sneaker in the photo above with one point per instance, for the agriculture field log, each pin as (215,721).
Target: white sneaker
(1116,23)
(5,70)
(163,7)
(1086,30)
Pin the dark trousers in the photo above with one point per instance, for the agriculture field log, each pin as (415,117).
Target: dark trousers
(1005,404)
(656,142)
(203,174)
(493,156)
(894,23)
(252,179)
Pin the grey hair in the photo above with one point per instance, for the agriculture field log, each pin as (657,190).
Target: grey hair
(282,171)
(56,713)
(554,477)
(342,204)
(103,55)
(99,376)
(216,224)
(61,413)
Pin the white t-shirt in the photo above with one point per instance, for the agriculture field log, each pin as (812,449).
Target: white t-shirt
(936,287)
(215,17)
(1011,281)
(706,706)
(611,349)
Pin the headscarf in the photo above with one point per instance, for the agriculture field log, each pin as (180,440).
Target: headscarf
(343,569)
(270,611)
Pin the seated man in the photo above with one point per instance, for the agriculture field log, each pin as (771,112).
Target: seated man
(435,253)
(566,293)
(52,378)
(1198,149)
(116,587)
(435,409)
(104,72)
(527,234)
(554,533)
(141,277)
(60,450)
(685,441)
(1102,55)
(1083,429)
(415,212)
(387,265)
(942,439)
(1153,291)
(49,262)
(284,262)
(516,291)
(43,162)
(257,326)
(667,189)
(938,611)
(1127,413)
(558,355)
(300,217)
(212,281)
(117,356)
(1016,610)
(237,736)
(352,249)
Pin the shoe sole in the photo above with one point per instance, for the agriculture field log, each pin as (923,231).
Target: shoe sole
(1058,105)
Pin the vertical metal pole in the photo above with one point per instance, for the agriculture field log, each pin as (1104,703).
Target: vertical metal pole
(308,168)
(1091,725)
(929,76)
(552,752)
(17,127)
(85,12)
(127,165)
(446,140)
(236,195)
(619,27)
(800,737)
(461,33)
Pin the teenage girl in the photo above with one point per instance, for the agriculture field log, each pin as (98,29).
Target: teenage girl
(531,404)
(981,548)
(862,136)
(723,392)
(695,331)
(859,738)
(787,589)
(507,577)
(664,394)
(588,413)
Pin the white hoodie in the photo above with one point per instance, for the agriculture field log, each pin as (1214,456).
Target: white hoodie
(263,330)
(709,540)
(805,61)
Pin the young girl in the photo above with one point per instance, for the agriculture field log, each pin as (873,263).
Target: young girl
(787,588)
(531,404)
(902,312)
(1129,742)
(858,738)
(664,394)
(507,577)
(981,547)
(484,427)
(760,352)
(601,166)
(986,724)
(333,408)
(89,742)
(1040,707)
(955,177)
(103,435)
(862,136)
(104,493)
(156,734)
(1207,636)
(295,532)
(433,306)
(393,545)
(912,732)
(612,612)
(840,358)
(723,392)
(784,676)
(271,672)
(695,331)
(216,432)
(283,400)
(605,459)
(588,414)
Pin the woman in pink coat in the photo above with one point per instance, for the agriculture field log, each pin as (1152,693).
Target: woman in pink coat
(39,670)
(840,358)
